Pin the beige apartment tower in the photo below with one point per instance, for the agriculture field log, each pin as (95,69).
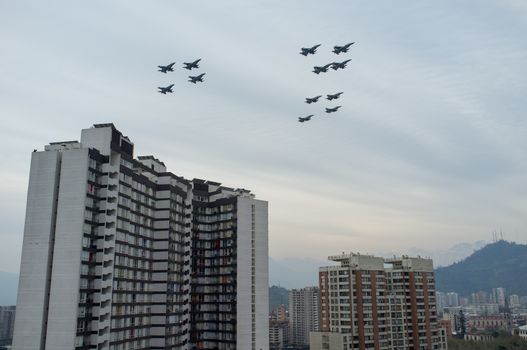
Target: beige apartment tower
(370,302)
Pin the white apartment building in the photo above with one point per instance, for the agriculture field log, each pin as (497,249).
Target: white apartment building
(120,254)
(303,314)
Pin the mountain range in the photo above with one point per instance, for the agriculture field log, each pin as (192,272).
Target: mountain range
(499,264)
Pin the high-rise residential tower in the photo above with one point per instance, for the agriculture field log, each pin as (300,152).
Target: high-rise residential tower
(303,314)
(119,254)
(369,302)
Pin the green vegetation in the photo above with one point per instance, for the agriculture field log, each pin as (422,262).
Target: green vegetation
(500,342)
(495,265)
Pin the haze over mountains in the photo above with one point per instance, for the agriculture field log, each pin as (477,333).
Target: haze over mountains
(8,287)
(495,265)
(298,273)
(499,264)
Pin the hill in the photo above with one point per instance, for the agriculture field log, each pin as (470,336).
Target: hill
(277,296)
(8,288)
(499,264)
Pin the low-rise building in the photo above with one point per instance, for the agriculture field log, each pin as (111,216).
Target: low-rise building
(478,336)
(522,332)
(492,322)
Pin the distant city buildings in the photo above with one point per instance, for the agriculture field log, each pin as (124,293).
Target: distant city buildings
(121,254)
(491,322)
(278,334)
(303,314)
(444,300)
(484,313)
(7,324)
(369,302)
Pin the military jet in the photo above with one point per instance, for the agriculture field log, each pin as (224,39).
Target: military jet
(340,49)
(310,100)
(334,96)
(164,90)
(191,65)
(309,50)
(323,69)
(331,110)
(167,68)
(195,79)
(305,119)
(339,65)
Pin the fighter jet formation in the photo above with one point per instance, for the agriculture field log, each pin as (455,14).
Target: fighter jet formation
(324,69)
(186,65)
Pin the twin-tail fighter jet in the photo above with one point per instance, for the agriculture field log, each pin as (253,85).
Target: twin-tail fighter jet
(310,100)
(334,96)
(331,110)
(339,65)
(340,49)
(164,90)
(309,50)
(197,78)
(305,119)
(323,69)
(167,68)
(190,65)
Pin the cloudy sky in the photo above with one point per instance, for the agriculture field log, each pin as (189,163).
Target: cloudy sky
(428,150)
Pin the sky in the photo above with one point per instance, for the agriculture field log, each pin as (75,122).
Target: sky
(427,151)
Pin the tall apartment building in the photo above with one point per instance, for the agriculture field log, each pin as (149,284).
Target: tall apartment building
(119,254)
(411,286)
(7,323)
(303,314)
(368,302)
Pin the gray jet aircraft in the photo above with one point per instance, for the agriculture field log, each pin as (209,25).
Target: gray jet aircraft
(340,49)
(309,50)
(195,79)
(191,65)
(164,90)
(331,110)
(323,69)
(339,65)
(334,96)
(310,100)
(305,119)
(167,68)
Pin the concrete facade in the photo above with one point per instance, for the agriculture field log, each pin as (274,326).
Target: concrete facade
(120,254)
(303,314)
(373,303)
